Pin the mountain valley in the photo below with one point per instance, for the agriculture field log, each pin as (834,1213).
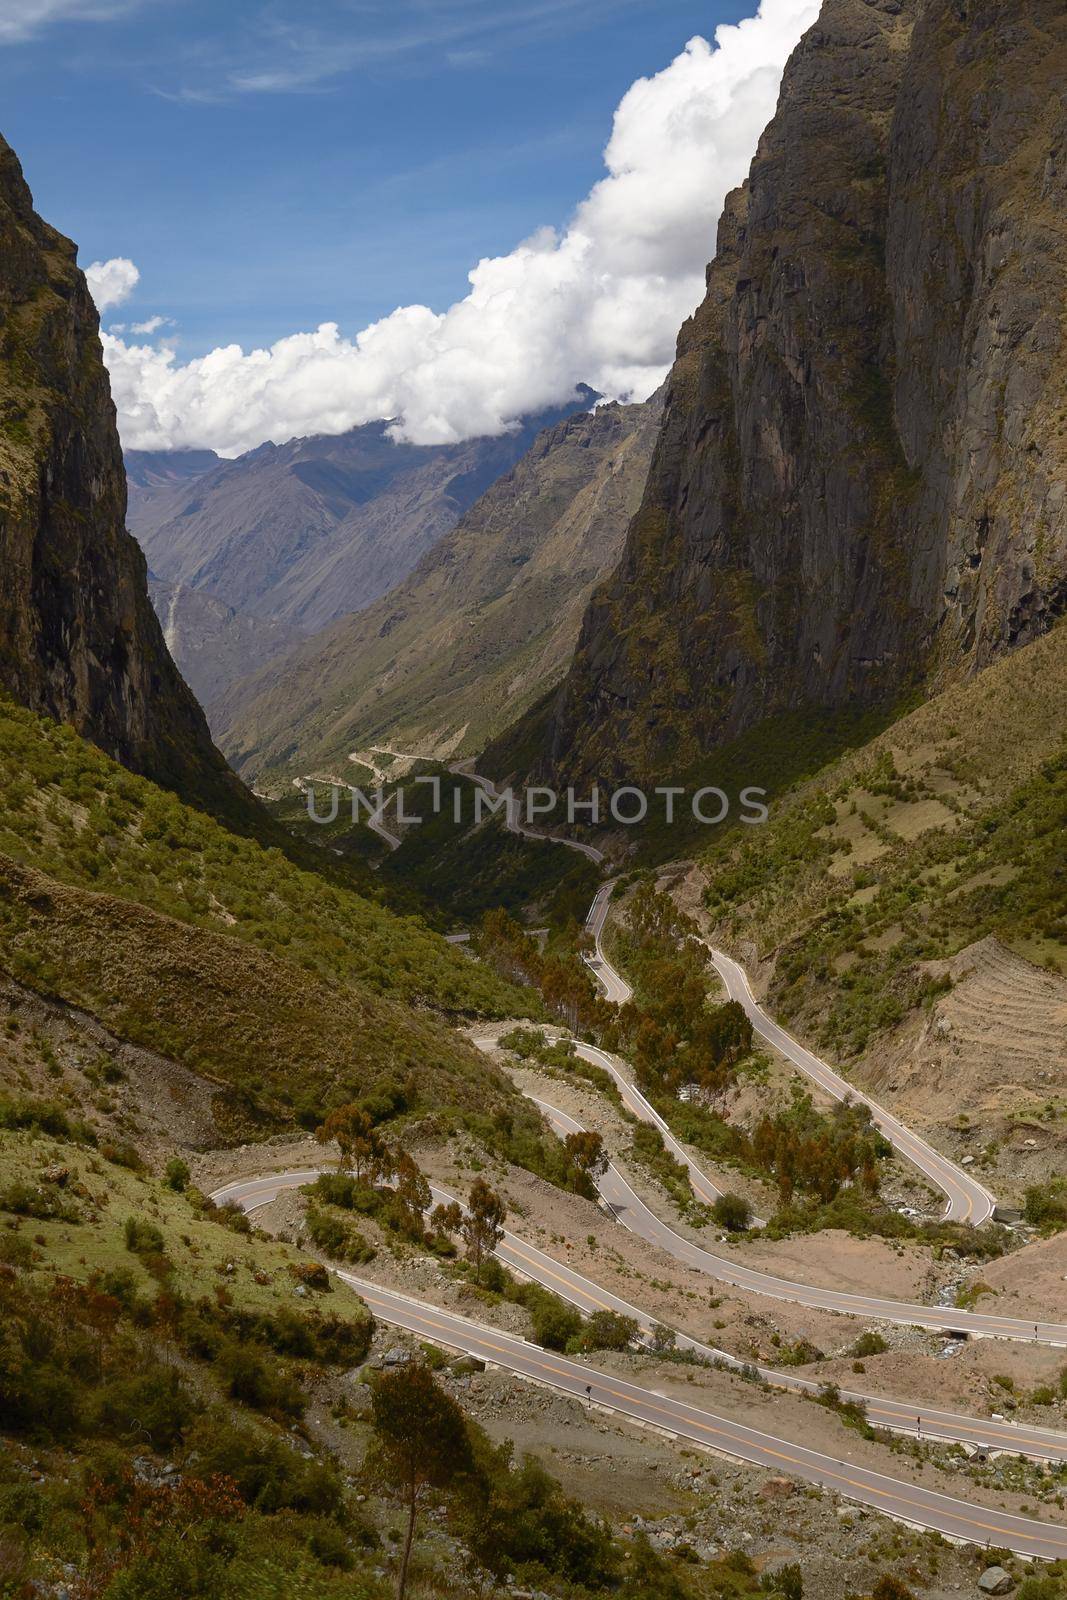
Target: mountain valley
(466,1201)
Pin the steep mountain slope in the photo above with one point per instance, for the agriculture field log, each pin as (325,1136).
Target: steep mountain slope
(307,531)
(78,637)
(906,909)
(860,481)
(157,480)
(213,644)
(483,626)
(182,938)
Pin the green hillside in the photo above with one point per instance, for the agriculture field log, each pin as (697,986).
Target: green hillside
(947,828)
(185,939)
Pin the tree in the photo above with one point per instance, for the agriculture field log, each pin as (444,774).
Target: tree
(585,1152)
(420,1442)
(664,1339)
(445,1220)
(362,1150)
(733,1212)
(483,1224)
(413,1195)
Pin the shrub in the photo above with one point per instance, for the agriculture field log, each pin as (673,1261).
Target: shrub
(269,1475)
(312,1274)
(869,1344)
(890,1588)
(43,1116)
(153,1407)
(607,1330)
(1046,1205)
(124,1155)
(176,1174)
(337,1237)
(142,1237)
(733,1212)
(255,1378)
(555,1323)
(232,1216)
(45,1202)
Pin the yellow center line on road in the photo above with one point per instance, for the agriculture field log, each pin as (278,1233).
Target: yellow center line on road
(1048,1532)
(518,1250)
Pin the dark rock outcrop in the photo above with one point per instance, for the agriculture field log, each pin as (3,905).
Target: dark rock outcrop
(860,481)
(79,640)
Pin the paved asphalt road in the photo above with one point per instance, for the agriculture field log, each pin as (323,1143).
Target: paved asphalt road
(967,1199)
(632,1212)
(907,1502)
(463,769)
(704,1188)
(530,1262)
(958,1519)
(614,985)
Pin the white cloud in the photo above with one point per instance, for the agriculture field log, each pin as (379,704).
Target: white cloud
(150,325)
(599,302)
(23,19)
(112,282)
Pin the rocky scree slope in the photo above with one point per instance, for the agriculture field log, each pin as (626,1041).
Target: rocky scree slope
(483,627)
(860,479)
(78,638)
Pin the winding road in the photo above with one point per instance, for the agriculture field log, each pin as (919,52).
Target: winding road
(465,769)
(967,1200)
(907,1502)
(629,1209)
(529,1262)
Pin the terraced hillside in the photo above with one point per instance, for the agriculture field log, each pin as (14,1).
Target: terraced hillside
(906,908)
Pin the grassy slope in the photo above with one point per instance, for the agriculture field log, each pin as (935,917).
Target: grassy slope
(101,1195)
(186,939)
(946,828)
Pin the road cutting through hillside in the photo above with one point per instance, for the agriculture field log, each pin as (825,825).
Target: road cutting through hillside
(966,1199)
(588,1296)
(906,1502)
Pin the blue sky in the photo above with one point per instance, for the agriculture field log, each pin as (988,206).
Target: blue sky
(270,167)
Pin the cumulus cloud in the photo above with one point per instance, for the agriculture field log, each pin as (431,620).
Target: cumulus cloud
(112,282)
(599,301)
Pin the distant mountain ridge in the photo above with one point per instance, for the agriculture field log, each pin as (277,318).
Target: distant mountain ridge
(482,627)
(212,643)
(307,531)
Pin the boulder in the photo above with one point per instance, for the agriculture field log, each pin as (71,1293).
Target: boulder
(777,1489)
(995,1580)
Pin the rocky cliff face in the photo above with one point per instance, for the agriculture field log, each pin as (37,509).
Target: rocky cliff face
(860,479)
(483,627)
(78,638)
